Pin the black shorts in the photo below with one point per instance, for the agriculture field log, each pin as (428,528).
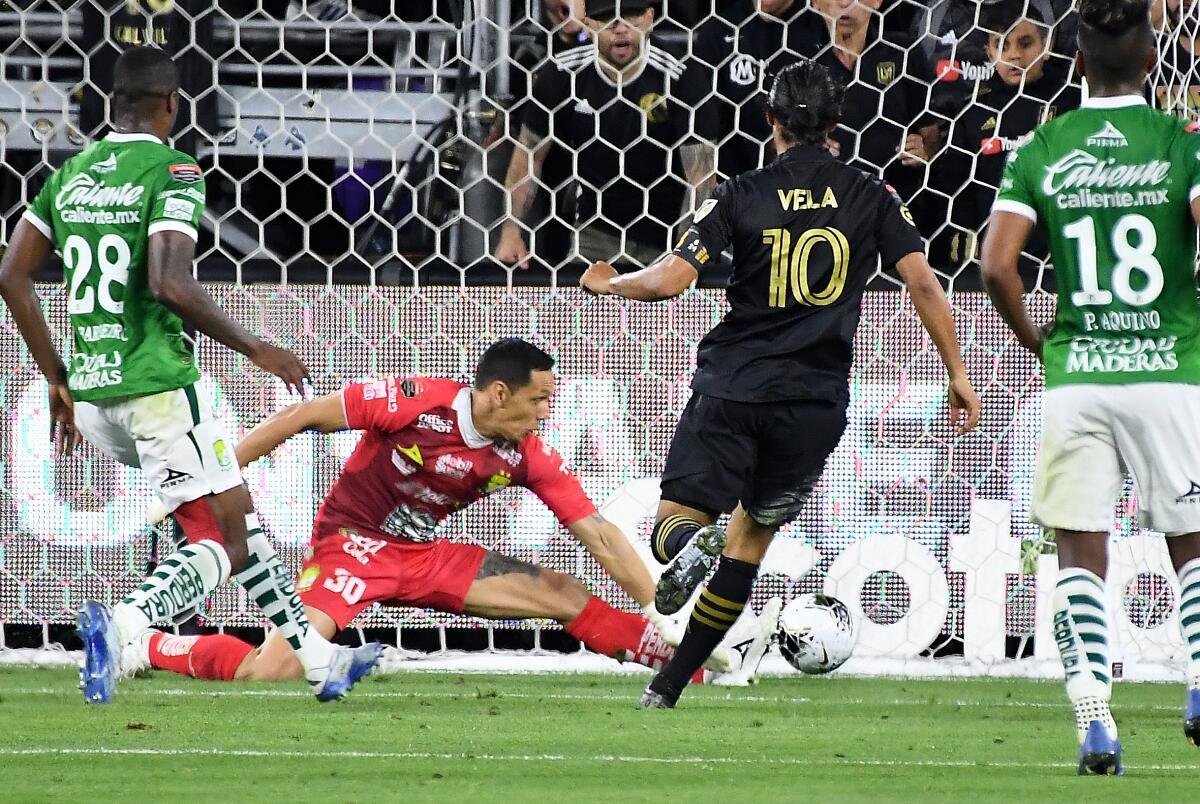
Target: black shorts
(765,455)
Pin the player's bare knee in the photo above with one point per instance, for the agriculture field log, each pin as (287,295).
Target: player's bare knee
(238,554)
(229,509)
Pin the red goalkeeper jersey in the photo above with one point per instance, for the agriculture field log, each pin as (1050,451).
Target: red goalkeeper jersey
(421,458)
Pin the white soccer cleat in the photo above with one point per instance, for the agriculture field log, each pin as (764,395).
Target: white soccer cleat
(747,642)
(135,657)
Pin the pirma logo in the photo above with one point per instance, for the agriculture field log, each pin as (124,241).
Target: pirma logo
(105,165)
(1108,137)
(1191,496)
(174,478)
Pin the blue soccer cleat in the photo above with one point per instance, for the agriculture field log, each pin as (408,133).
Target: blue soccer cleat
(1191,717)
(347,667)
(1100,754)
(101,652)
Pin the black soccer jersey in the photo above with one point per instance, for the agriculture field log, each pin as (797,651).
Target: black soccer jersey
(989,130)
(807,233)
(623,141)
(887,92)
(956,46)
(743,50)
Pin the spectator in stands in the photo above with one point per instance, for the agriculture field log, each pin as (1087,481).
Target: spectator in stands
(954,33)
(1176,82)
(565,21)
(1027,88)
(739,50)
(885,128)
(559,28)
(623,108)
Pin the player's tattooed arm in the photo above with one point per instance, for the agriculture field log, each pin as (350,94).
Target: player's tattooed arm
(495,564)
(612,550)
(325,414)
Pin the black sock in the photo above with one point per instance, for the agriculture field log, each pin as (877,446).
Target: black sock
(670,536)
(717,609)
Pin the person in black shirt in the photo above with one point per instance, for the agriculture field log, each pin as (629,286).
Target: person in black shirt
(887,83)
(885,129)
(1026,89)
(953,35)
(623,110)
(742,48)
(558,28)
(771,384)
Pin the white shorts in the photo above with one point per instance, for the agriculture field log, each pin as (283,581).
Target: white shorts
(186,452)
(1092,434)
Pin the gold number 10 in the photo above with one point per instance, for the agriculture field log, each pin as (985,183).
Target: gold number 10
(789,266)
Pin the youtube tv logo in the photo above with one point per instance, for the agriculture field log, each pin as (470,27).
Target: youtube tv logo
(955,70)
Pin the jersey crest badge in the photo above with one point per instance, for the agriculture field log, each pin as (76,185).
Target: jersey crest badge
(654,106)
(413,453)
(742,70)
(308,578)
(497,481)
(885,72)
(708,206)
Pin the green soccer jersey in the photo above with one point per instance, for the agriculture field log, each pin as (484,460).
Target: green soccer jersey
(100,209)
(1111,183)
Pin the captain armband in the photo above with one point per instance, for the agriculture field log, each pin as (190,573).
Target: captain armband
(691,248)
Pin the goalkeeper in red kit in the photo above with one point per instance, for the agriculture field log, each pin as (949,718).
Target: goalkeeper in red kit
(430,447)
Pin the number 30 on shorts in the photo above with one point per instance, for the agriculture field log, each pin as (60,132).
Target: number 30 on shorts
(348,586)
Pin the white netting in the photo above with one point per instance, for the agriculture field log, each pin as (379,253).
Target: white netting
(375,145)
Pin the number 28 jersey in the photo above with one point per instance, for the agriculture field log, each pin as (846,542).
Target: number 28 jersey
(99,209)
(1112,183)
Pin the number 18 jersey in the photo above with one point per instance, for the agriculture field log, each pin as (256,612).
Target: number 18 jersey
(1112,183)
(99,209)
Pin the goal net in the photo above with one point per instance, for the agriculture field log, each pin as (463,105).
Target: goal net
(356,162)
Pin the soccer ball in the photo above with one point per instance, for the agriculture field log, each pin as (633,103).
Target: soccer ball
(816,633)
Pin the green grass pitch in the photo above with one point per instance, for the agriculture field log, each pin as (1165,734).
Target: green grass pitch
(452,737)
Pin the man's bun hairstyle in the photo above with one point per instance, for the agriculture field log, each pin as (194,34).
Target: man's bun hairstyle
(806,100)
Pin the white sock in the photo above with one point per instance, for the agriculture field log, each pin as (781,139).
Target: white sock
(269,584)
(181,582)
(1081,630)
(1189,618)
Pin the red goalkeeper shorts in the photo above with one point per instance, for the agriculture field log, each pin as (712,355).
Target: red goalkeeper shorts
(350,569)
